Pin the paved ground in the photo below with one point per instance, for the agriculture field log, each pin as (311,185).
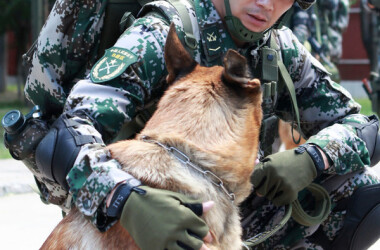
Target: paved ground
(25,222)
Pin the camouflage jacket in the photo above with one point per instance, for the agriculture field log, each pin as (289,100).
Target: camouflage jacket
(114,95)
(328,18)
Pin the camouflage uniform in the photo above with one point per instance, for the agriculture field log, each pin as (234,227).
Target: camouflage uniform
(333,17)
(370,34)
(132,73)
(325,22)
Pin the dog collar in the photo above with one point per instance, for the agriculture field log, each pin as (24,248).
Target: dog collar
(183,158)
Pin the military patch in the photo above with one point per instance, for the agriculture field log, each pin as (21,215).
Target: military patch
(112,64)
(213,43)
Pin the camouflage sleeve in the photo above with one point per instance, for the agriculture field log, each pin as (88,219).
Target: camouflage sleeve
(121,82)
(325,108)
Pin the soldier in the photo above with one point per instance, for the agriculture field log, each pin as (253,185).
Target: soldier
(320,28)
(370,31)
(74,169)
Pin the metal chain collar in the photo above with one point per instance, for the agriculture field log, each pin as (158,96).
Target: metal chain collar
(183,158)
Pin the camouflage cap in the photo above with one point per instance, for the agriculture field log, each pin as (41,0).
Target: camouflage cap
(305,4)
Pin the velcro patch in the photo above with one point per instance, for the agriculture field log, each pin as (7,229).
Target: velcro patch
(114,62)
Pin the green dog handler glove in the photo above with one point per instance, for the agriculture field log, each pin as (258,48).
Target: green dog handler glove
(161,219)
(279,177)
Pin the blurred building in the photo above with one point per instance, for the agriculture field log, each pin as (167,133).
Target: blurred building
(354,64)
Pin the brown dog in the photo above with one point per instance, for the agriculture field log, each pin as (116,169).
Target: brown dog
(213,115)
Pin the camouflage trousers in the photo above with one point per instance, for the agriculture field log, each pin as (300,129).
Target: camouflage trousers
(260,215)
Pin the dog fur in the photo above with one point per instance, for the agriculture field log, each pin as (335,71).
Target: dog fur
(213,115)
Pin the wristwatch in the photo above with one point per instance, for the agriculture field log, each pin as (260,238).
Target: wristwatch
(315,155)
(113,212)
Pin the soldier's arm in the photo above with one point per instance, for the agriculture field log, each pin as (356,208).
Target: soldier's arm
(327,110)
(100,105)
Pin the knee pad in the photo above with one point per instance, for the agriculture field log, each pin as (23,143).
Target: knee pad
(361,226)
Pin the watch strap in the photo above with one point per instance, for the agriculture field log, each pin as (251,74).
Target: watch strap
(315,155)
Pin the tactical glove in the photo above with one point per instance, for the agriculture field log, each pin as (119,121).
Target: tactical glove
(161,219)
(279,177)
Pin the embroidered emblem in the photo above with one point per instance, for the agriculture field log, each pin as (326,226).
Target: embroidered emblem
(216,49)
(211,37)
(212,42)
(112,64)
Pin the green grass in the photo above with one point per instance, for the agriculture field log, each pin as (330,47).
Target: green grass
(366,106)
(20,105)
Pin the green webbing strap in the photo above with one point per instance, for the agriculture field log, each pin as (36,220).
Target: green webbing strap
(259,238)
(295,210)
(321,211)
(189,38)
(321,196)
(289,85)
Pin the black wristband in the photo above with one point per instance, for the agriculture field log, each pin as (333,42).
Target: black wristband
(315,155)
(120,196)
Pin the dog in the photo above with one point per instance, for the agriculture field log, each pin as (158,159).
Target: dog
(213,115)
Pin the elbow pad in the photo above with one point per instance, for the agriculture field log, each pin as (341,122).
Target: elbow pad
(58,150)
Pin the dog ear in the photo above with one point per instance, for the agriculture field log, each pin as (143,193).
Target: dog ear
(178,60)
(236,71)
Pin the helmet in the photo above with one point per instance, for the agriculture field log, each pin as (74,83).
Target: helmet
(240,32)
(305,4)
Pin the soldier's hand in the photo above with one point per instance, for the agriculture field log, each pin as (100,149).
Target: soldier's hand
(161,219)
(279,177)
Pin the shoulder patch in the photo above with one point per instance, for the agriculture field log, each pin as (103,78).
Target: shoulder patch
(114,62)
